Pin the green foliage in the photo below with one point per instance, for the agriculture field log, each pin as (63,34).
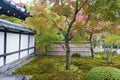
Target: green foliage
(108,9)
(64,10)
(11,19)
(103,73)
(112,39)
(43,40)
(79,36)
(76,55)
(95,42)
(46,29)
(109,41)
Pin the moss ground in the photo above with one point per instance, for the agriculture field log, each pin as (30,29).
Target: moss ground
(53,67)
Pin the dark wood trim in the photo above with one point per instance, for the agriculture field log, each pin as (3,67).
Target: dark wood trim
(4,55)
(15,31)
(5,46)
(34,43)
(28,42)
(19,45)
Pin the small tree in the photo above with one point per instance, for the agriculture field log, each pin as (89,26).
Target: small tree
(69,9)
(109,43)
(92,39)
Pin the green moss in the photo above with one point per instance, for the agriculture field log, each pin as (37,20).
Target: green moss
(87,64)
(53,68)
(40,77)
(28,69)
(56,75)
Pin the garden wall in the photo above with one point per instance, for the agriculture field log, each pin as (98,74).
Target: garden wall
(16,42)
(82,49)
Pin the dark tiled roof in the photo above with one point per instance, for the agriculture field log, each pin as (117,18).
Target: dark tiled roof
(9,8)
(14,27)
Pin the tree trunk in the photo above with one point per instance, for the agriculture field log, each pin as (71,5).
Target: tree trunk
(111,59)
(91,48)
(107,57)
(46,50)
(92,52)
(112,56)
(91,43)
(68,61)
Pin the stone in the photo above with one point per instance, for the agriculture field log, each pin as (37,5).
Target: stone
(12,77)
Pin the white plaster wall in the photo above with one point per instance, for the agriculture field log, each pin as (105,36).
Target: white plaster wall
(1,43)
(31,51)
(118,51)
(12,42)
(23,53)
(13,45)
(24,41)
(1,61)
(11,58)
(32,41)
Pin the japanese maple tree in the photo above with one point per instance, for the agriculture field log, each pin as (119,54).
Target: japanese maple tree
(70,17)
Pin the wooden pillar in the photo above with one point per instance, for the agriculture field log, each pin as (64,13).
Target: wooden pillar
(19,45)
(5,46)
(28,42)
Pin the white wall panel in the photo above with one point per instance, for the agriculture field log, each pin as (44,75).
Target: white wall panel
(11,58)
(12,42)
(1,61)
(24,41)
(32,41)
(1,43)
(118,51)
(23,53)
(31,51)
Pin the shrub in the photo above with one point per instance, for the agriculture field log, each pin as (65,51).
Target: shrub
(76,55)
(103,73)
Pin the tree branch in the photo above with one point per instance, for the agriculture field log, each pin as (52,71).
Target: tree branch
(67,21)
(91,34)
(58,27)
(74,18)
(71,37)
(82,4)
(88,18)
(63,46)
